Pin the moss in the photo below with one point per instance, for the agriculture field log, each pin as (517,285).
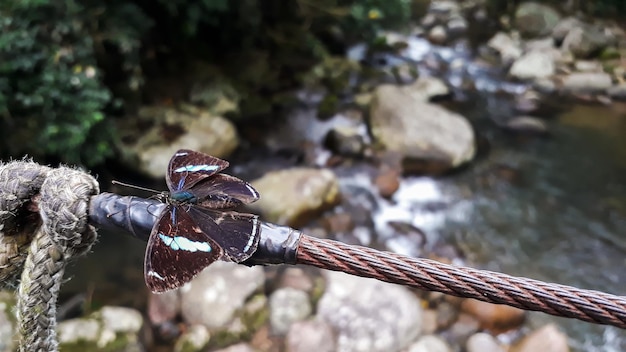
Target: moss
(328,106)
(254,315)
(319,286)
(118,344)
(610,53)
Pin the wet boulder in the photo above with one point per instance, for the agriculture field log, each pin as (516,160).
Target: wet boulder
(506,45)
(533,19)
(430,138)
(533,65)
(586,41)
(586,82)
(151,138)
(345,141)
(292,196)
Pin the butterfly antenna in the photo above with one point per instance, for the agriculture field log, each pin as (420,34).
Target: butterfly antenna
(135,187)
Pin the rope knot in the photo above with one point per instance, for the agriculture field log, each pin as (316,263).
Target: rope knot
(57,199)
(64,205)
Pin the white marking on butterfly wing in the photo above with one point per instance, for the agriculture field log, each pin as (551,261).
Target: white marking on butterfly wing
(154,274)
(255,224)
(193,168)
(179,242)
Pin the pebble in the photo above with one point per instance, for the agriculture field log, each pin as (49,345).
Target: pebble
(496,318)
(547,338)
(287,306)
(387,182)
(430,343)
(483,342)
(310,336)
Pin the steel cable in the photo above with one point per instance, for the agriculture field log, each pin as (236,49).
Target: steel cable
(524,293)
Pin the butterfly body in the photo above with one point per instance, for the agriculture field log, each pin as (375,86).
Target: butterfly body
(198,225)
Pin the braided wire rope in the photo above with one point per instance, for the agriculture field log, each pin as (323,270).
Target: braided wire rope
(43,224)
(528,294)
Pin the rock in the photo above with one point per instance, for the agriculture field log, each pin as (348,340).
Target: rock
(535,20)
(544,85)
(483,342)
(586,82)
(345,141)
(547,338)
(287,306)
(541,44)
(427,88)
(430,343)
(444,7)
(447,314)
(533,65)
(429,319)
(438,35)
(585,41)
(496,318)
(508,47)
(618,92)
(7,304)
(158,132)
(387,182)
(457,25)
(429,20)
(406,239)
(240,347)
(110,327)
(195,338)
(338,223)
(430,138)
(560,31)
(310,336)
(369,315)
(296,278)
(218,292)
(526,125)
(588,66)
(292,196)
(464,327)
(163,307)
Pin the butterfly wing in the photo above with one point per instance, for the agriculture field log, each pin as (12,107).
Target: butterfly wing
(188,167)
(237,234)
(178,250)
(224,191)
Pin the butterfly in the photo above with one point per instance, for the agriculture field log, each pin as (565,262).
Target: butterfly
(198,226)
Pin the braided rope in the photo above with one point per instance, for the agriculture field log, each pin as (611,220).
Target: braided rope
(57,199)
(528,294)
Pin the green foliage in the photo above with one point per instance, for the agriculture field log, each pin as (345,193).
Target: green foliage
(195,13)
(52,99)
(370,16)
